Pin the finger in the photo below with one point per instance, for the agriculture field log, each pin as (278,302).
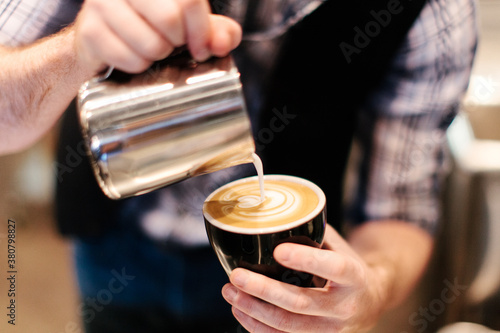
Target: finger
(133,30)
(226,35)
(260,316)
(164,16)
(119,55)
(99,47)
(330,265)
(309,301)
(252,325)
(197,26)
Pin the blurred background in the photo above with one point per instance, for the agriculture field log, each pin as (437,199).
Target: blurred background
(462,283)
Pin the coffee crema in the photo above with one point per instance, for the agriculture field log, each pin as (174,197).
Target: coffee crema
(289,201)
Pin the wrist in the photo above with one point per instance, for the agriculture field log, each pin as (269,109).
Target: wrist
(384,274)
(396,252)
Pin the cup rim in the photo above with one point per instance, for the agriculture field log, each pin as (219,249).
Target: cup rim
(268,230)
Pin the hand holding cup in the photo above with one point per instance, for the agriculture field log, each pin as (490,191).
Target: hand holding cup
(244,230)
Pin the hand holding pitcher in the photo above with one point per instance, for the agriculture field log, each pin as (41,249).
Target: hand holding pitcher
(152,31)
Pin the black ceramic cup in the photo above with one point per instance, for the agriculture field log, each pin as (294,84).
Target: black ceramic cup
(244,230)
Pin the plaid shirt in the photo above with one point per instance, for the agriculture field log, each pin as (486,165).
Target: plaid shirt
(24,21)
(402,126)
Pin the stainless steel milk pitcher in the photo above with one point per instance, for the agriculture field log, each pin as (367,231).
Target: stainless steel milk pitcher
(177,120)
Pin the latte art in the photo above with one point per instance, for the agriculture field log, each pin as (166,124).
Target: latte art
(279,200)
(288,201)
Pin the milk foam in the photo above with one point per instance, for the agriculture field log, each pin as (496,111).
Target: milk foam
(257,162)
(289,201)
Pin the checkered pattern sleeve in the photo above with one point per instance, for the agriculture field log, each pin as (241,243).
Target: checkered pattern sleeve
(403,124)
(24,21)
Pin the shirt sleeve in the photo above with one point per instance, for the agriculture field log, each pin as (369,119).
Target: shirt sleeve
(402,127)
(24,21)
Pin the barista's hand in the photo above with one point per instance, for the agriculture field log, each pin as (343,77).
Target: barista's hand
(130,34)
(350,301)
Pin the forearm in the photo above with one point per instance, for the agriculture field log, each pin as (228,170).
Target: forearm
(37,82)
(398,251)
